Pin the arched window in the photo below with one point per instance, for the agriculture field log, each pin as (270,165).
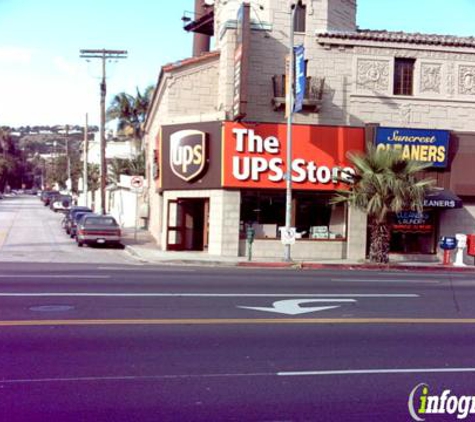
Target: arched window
(299,17)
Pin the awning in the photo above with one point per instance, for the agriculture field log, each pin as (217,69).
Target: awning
(442,198)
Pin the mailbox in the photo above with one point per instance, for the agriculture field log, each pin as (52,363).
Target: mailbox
(447,243)
(471,244)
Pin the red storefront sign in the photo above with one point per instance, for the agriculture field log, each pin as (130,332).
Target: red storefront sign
(254,155)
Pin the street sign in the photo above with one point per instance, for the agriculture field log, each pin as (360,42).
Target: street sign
(287,236)
(136,182)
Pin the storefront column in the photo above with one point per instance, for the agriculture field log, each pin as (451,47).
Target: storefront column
(356,239)
(224,223)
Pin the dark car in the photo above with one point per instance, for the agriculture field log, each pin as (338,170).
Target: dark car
(66,223)
(74,222)
(93,229)
(46,196)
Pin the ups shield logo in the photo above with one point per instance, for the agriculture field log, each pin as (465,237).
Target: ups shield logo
(188,153)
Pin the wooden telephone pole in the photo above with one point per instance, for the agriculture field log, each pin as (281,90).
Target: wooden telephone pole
(104,55)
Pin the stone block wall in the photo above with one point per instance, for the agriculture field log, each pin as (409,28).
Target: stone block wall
(302,249)
(193,90)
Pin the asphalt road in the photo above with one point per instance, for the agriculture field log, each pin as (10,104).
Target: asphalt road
(31,232)
(108,342)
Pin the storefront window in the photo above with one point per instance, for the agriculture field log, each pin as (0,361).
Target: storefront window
(312,214)
(413,232)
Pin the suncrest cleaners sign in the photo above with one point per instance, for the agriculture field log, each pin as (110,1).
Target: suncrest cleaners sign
(254,156)
(425,145)
(188,153)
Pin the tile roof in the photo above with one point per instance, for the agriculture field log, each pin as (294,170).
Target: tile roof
(192,60)
(400,37)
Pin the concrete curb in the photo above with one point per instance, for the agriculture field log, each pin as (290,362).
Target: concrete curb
(131,251)
(365,266)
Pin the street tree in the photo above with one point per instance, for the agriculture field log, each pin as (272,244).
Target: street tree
(130,112)
(130,167)
(93,180)
(384,183)
(12,161)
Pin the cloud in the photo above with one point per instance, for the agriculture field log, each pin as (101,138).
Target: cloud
(15,55)
(65,66)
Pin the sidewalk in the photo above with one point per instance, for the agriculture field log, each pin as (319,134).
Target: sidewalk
(144,248)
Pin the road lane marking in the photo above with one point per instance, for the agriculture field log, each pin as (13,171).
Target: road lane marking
(376,371)
(53,276)
(102,294)
(133,267)
(292,306)
(133,377)
(232,321)
(240,375)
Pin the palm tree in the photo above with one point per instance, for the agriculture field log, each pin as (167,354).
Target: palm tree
(130,167)
(384,183)
(93,181)
(130,112)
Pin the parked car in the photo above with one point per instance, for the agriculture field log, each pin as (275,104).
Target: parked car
(46,196)
(74,222)
(66,223)
(61,203)
(93,229)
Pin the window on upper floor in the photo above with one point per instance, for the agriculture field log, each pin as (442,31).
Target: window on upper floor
(403,76)
(299,17)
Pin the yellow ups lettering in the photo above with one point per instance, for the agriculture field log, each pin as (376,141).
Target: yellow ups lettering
(197,154)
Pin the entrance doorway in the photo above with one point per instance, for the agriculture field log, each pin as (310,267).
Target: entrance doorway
(188,224)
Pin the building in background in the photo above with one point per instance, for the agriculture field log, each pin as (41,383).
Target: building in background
(215,133)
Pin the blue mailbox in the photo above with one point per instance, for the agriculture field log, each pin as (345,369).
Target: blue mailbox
(447,243)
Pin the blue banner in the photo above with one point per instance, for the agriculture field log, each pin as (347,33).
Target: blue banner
(300,78)
(425,145)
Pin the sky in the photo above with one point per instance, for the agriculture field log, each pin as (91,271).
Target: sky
(43,81)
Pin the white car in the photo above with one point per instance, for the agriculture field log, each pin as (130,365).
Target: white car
(61,203)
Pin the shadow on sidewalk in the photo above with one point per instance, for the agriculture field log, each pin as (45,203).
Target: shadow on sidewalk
(141,237)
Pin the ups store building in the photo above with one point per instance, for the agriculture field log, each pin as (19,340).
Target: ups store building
(216,179)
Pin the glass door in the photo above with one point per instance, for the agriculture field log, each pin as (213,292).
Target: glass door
(176,228)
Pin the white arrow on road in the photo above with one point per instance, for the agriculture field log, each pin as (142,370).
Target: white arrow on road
(292,306)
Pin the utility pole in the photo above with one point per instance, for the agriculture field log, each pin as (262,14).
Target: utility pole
(68,160)
(103,55)
(84,174)
(290,102)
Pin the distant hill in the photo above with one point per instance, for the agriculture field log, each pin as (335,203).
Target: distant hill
(41,139)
